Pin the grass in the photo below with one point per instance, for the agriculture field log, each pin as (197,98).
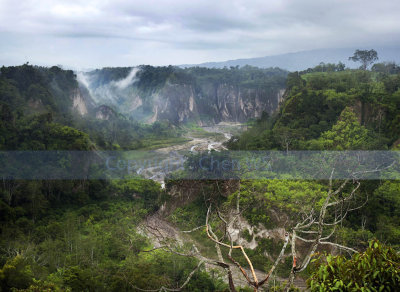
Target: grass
(152,144)
(205,134)
(195,131)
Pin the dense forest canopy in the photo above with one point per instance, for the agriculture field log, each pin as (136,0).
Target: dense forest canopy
(315,102)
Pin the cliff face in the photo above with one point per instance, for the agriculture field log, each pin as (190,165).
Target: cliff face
(217,95)
(149,94)
(78,102)
(104,112)
(213,104)
(241,104)
(174,102)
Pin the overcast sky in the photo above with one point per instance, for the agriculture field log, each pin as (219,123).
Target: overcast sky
(91,34)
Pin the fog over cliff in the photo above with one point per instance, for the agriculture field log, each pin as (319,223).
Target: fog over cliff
(204,96)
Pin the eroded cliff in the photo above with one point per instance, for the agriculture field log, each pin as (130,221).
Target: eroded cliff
(203,96)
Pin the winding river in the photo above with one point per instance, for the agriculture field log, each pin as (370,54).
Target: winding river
(174,156)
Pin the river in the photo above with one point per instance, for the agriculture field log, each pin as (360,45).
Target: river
(174,156)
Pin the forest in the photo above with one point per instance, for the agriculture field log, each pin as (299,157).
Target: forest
(227,234)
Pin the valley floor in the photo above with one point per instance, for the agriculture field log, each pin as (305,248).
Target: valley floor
(200,139)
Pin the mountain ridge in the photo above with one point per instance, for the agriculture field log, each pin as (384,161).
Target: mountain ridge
(301,60)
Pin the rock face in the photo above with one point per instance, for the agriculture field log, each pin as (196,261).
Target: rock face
(188,97)
(82,102)
(78,103)
(104,112)
(175,103)
(213,104)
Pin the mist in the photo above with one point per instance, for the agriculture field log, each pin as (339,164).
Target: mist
(128,80)
(112,92)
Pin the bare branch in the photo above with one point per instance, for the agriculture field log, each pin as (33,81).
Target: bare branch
(377,169)
(194,229)
(208,229)
(330,234)
(307,231)
(305,240)
(347,198)
(278,259)
(339,246)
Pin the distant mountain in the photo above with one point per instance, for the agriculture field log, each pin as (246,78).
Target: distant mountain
(305,59)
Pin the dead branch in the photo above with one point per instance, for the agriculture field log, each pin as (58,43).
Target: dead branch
(194,229)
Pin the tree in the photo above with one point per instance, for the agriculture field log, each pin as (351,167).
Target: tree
(385,212)
(313,226)
(347,134)
(16,273)
(374,270)
(366,57)
(286,136)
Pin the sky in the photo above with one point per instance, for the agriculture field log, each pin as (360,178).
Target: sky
(93,34)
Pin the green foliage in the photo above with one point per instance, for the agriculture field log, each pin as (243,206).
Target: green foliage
(314,103)
(386,68)
(264,198)
(246,76)
(44,88)
(40,133)
(16,273)
(357,239)
(190,215)
(95,248)
(108,74)
(385,212)
(202,281)
(346,134)
(246,235)
(322,67)
(376,269)
(43,286)
(70,235)
(146,190)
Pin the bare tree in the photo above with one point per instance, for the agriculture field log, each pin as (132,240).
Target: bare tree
(171,246)
(253,280)
(317,231)
(314,228)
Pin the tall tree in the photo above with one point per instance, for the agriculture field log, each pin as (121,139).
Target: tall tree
(366,57)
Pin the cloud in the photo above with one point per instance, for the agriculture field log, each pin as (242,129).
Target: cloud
(128,80)
(120,33)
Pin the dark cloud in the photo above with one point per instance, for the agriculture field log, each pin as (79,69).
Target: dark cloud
(86,33)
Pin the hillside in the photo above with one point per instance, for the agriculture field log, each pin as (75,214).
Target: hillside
(314,104)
